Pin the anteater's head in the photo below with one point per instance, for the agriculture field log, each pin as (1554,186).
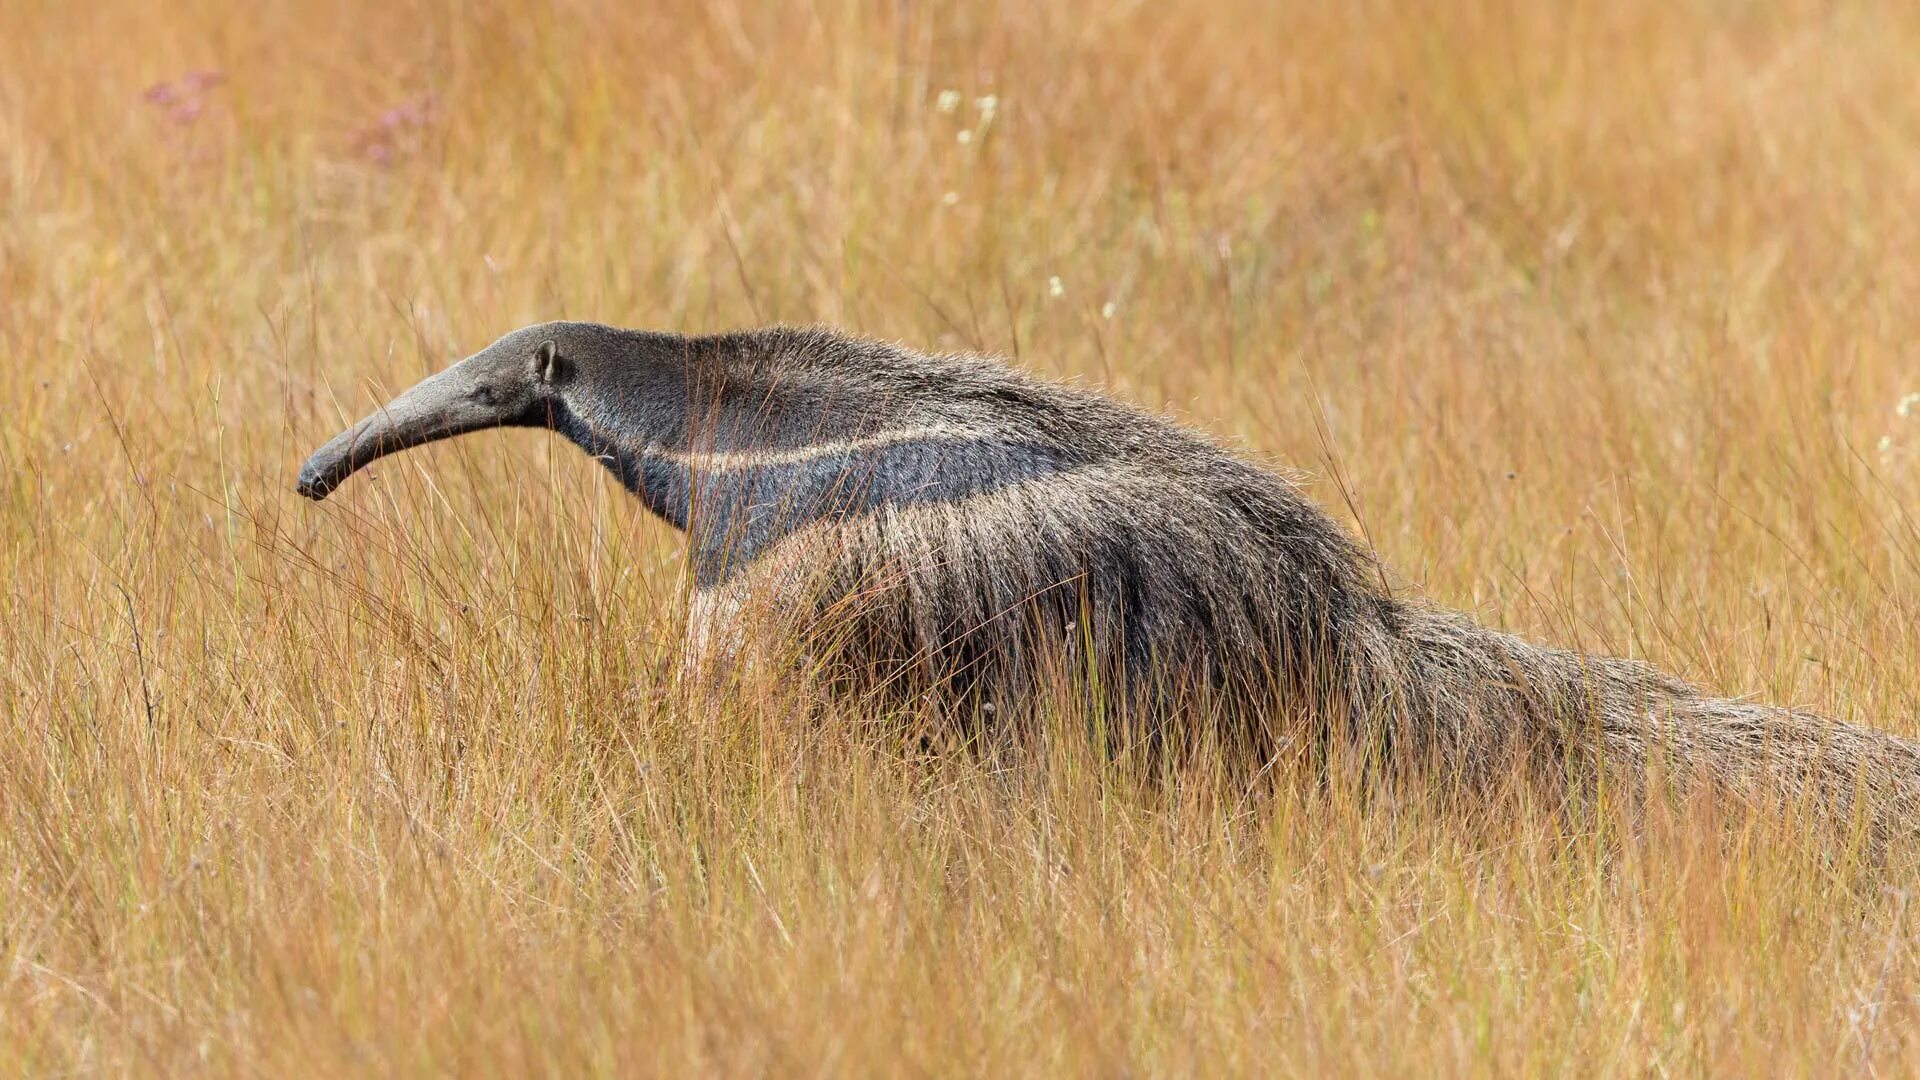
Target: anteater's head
(522,380)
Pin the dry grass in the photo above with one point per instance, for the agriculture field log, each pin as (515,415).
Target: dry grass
(1599,311)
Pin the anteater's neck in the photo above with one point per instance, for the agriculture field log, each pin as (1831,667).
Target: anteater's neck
(743,454)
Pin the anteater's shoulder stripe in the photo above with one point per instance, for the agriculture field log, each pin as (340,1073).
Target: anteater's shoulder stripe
(839,449)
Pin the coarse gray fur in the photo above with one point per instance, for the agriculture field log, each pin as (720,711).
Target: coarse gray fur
(953,530)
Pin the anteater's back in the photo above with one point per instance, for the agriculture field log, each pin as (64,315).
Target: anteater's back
(965,528)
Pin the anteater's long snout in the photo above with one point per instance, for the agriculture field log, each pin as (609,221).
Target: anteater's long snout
(357,447)
(440,407)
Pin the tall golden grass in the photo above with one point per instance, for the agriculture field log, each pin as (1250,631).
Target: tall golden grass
(1594,317)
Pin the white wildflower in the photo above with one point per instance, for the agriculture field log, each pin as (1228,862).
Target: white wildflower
(963,136)
(1107,309)
(1054,287)
(1886,444)
(987,105)
(1905,408)
(951,198)
(948,101)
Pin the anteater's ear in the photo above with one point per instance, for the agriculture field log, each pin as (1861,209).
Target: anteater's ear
(548,365)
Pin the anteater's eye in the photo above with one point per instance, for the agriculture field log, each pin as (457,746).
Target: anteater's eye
(485,395)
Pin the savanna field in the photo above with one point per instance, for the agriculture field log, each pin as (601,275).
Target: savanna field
(1600,321)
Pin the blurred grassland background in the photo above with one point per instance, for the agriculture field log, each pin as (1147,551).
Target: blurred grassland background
(1599,319)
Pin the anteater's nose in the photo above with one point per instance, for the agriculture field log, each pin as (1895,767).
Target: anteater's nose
(314,483)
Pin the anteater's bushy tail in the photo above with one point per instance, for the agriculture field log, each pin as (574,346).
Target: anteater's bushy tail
(1487,700)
